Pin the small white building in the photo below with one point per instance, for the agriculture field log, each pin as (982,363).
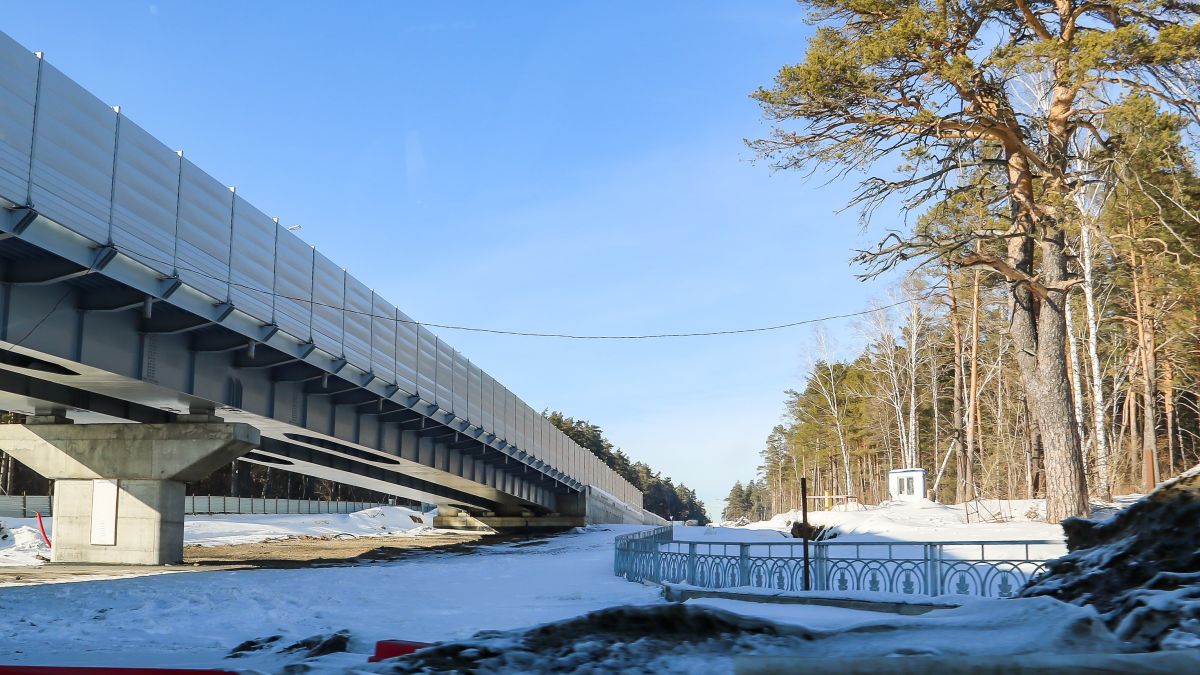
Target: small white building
(906,484)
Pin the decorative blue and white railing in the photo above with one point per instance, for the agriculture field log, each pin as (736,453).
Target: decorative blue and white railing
(979,568)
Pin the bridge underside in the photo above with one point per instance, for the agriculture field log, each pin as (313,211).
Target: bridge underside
(81,343)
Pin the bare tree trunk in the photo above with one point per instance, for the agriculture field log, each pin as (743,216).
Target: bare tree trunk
(1168,389)
(960,492)
(1076,371)
(1038,329)
(913,459)
(973,393)
(830,394)
(1099,428)
(934,401)
(1146,346)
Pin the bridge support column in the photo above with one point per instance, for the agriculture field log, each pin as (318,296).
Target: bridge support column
(119,488)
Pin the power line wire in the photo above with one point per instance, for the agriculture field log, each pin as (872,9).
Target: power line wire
(519,333)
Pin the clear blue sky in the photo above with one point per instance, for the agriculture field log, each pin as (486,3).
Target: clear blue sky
(546,166)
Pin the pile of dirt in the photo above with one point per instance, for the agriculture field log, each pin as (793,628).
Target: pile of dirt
(1140,569)
(653,639)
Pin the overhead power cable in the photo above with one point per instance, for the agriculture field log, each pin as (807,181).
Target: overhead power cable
(521,333)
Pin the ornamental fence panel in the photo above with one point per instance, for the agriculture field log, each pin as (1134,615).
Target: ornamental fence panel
(979,568)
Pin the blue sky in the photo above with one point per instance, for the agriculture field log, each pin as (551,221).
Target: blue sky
(546,166)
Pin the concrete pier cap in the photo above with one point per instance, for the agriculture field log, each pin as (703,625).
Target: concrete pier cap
(119,488)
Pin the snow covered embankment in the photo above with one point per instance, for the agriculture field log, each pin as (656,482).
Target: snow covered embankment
(926,521)
(21,544)
(221,530)
(1140,568)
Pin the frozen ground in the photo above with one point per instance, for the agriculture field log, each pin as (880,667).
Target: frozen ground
(247,529)
(24,542)
(708,636)
(196,619)
(924,520)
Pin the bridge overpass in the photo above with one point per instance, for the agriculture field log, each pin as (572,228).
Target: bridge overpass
(154,324)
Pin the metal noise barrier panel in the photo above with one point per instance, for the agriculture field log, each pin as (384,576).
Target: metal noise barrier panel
(84,165)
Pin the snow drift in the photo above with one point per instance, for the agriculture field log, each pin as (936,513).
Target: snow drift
(1139,568)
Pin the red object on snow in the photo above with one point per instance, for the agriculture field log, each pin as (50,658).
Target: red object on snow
(43,529)
(387,649)
(88,670)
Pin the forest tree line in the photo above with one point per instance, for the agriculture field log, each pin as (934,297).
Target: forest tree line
(661,495)
(1042,340)
(937,385)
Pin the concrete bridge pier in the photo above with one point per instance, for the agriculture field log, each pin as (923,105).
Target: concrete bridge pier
(119,488)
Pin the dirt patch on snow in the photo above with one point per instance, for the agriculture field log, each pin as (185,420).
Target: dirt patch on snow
(317,551)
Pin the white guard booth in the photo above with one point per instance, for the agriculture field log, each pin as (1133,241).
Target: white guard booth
(906,484)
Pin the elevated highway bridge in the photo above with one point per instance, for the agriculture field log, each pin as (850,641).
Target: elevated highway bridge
(154,324)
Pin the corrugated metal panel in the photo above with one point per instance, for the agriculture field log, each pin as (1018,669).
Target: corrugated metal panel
(537,442)
(293,284)
(145,198)
(488,413)
(503,414)
(406,353)
(383,338)
(205,220)
(525,424)
(18,89)
(460,384)
(73,156)
(426,365)
(329,294)
(474,395)
(357,342)
(444,377)
(253,260)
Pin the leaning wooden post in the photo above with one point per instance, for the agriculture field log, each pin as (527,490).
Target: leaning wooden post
(804,519)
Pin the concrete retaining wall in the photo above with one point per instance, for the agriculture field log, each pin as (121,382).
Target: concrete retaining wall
(603,508)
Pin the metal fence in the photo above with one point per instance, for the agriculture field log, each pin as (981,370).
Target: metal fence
(980,568)
(200,505)
(21,506)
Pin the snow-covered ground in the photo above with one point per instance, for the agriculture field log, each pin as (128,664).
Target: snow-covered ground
(24,544)
(21,543)
(196,618)
(248,529)
(924,520)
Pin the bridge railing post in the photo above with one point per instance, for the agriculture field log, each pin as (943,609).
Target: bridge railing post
(691,564)
(743,565)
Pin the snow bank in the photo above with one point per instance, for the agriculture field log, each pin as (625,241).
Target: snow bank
(1139,568)
(727,534)
(194,619)
(248,529)
(24,543)
(707,636)
(21,543)
(924,520)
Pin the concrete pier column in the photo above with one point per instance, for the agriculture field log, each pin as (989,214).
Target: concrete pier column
(119,488)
